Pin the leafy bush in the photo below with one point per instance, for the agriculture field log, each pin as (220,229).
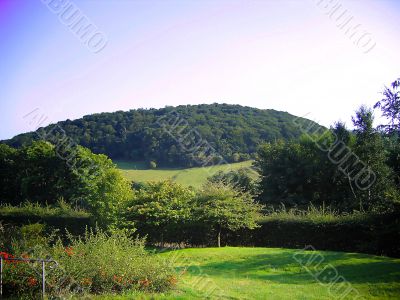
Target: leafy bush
(161,210)
(23,278)
(95,263)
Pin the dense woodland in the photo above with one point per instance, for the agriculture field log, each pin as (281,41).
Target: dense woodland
(233,131)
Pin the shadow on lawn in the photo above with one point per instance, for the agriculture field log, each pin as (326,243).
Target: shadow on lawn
(283,268)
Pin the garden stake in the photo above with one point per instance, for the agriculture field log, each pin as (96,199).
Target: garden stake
(43,279)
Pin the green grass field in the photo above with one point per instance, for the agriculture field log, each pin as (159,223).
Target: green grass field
(273,273)
(136,171)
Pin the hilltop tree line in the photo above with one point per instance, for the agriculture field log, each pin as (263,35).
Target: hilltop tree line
(232,131)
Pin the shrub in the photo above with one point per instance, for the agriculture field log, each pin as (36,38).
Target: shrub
(161,210)
(95,263)
(101,262)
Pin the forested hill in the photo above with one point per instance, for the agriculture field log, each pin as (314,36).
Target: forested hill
(233,131)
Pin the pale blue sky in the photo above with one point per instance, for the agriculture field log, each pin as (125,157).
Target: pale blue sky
(285,55)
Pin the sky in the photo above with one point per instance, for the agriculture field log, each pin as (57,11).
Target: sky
(295,56)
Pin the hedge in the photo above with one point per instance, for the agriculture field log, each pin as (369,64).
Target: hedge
(74,225)
(373,234)
(377,234)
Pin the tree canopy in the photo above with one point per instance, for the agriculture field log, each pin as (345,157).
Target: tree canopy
(160,207)
(222,207)
(39,173)
(233,131)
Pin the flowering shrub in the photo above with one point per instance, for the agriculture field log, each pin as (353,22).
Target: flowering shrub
(100,263)
(95,263)
(18,277)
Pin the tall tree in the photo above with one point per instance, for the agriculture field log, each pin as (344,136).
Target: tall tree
(390,107)
(370,149)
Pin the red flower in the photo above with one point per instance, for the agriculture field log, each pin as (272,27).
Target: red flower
(86,281)
(7,257)
(117,278)
(69,251)
(32,281)
(144,282)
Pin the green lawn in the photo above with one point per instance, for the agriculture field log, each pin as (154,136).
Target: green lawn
(273,273)
(195,177)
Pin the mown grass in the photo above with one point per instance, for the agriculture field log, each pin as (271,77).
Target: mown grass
(196,177)
(273,273)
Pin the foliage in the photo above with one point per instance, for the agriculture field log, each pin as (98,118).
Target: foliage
(61,209)
(102,187)
(390,107)
(34,173)
(220,206)
(60,216)
(370,149)
(311,214)
(102,262)
(232,130)
(298,174)
(326,169)
(242,179)
(95,263)
(161,207)
(39,173)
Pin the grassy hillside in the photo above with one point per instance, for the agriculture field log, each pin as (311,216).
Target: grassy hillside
(136,171)
(272,273)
